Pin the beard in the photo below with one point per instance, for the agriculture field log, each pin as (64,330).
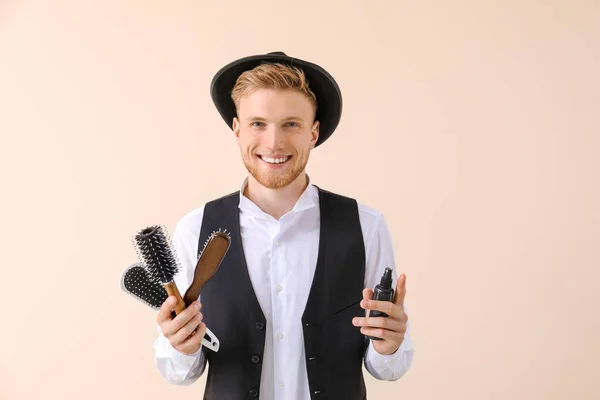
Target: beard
(275,179)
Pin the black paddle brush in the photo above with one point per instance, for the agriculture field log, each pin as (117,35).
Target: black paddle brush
(136,281)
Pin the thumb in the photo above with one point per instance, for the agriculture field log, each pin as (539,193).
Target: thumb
(164,314)
(400,291)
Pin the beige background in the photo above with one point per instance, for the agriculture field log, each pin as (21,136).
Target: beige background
(472,125)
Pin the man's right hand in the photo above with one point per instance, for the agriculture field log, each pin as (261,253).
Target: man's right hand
(181,330)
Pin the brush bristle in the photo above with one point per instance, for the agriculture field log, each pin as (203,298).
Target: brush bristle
(212,236)
(155,253)
(137,283)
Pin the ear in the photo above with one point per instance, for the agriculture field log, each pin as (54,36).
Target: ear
(314,133)
(236,128)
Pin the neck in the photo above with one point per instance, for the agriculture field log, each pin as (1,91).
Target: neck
(276,202)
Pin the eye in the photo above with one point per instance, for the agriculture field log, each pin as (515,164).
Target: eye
(293,124)
(256,123)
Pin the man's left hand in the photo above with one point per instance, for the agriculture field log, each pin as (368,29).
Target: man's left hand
(392,328)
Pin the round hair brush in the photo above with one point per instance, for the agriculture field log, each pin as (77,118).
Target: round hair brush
(161,265)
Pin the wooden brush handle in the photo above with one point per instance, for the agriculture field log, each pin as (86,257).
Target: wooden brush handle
(172,290)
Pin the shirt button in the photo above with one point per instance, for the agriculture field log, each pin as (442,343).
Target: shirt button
(255,359)
(280,335)
(277,242)
(279,288)
(282,386)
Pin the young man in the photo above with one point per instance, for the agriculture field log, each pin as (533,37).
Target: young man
(288,302)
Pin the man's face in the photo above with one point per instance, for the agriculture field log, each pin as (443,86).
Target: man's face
(275,133)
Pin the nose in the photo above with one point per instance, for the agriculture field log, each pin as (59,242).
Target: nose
(274,137)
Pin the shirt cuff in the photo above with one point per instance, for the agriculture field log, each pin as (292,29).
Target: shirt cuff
(176,367)
(166,350)
(390,366)
(384,360)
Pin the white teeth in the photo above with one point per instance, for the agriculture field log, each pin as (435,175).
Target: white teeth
(274,160)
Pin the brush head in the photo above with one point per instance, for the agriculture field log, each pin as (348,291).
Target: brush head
(215,248)
(136,282)
(154,251)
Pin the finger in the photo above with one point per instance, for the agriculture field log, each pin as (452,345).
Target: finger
(390,324)
(201,332)
(384,306)
(381,333)
(400,291)
(186,330)
(193,342)
(367,295)
(172,327)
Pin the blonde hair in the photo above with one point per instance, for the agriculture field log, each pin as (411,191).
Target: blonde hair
(272,76)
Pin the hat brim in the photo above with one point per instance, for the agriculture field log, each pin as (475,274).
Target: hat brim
(326,89)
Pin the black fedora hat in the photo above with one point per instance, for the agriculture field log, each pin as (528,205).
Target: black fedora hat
(326,89)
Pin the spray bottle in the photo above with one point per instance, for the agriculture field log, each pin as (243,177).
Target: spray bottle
(382,292)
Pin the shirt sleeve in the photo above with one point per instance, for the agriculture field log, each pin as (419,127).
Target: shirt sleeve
(379,255)
(393,366)
(178,368)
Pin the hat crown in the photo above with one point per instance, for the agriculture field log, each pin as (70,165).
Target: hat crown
(277,53)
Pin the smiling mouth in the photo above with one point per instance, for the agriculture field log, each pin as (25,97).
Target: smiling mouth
(275,160)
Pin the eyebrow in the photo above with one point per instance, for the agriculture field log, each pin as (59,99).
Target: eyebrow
(262,119)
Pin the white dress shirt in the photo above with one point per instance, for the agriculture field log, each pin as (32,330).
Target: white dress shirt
(281,256)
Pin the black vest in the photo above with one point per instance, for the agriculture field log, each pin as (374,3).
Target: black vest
(334,348)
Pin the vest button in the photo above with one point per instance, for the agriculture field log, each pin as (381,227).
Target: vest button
(260,325)
(253,392)
(255,359)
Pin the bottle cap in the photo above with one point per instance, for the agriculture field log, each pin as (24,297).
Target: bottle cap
(386,279)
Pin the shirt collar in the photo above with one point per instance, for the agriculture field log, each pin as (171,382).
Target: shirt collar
(308,199)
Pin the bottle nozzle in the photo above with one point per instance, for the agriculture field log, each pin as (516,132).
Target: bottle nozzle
(386,278)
